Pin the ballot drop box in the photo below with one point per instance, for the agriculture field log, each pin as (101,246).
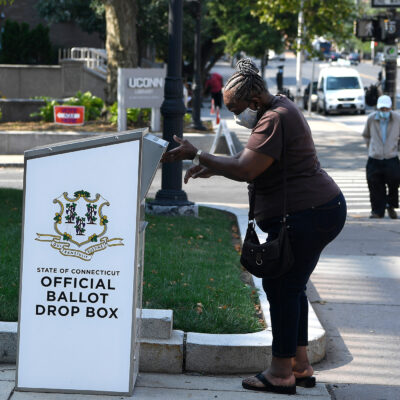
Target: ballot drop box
(82,263)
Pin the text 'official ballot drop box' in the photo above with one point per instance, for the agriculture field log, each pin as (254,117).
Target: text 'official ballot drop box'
(82,263)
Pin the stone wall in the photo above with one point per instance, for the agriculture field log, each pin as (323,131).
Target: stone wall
(56,81)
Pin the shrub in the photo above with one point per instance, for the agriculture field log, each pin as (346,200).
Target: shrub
(93,106)
(46,112)
(133,115)
(21,45)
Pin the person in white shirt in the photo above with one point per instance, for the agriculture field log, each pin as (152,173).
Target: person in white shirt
(382,136)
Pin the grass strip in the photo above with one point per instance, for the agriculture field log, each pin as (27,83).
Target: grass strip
(191,266)
(10,245)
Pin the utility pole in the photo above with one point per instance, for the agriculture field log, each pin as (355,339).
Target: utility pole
(196,109)
(299,52)
(391,64)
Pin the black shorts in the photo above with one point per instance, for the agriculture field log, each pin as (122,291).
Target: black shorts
(217,99)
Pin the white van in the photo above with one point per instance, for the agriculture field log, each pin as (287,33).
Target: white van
(340,89)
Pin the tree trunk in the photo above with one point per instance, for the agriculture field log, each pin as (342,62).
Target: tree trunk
(121,41)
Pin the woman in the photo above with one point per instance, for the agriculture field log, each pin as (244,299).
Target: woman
(316,211)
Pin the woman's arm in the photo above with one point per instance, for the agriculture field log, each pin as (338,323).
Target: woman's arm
(243,167)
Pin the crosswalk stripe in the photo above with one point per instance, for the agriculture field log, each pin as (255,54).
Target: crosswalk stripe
(354,186)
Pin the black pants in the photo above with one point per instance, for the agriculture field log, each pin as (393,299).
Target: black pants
(309,232)
(217,99)
(382,174)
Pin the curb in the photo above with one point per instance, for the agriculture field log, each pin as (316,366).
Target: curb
(206,353)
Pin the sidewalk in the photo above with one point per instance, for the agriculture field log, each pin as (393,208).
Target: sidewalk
(166,387)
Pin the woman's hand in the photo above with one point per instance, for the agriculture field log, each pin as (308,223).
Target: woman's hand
(186,151)
(197,171)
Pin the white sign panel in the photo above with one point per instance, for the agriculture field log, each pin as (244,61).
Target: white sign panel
(141,87)
(77,305)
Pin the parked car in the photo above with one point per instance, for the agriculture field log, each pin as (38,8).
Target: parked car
(354,58)
(334,56)
(340,89)
(314,96)
(272,56)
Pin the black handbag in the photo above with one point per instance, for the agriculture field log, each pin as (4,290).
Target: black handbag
(273,258)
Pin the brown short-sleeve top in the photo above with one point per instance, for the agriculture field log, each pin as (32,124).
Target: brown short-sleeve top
(308,185)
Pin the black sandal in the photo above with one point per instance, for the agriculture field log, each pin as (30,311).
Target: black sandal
(306,382)
(269,387)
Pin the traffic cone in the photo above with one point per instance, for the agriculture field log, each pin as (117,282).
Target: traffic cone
(217,116)
(212,111)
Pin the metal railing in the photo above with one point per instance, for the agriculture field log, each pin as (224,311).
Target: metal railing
(94,59)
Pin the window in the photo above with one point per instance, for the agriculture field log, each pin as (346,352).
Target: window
(342,82)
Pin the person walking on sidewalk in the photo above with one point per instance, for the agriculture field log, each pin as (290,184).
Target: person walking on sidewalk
(214,85)
(316,211)
(382,135)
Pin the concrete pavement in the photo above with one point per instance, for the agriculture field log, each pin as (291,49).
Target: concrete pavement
(166,387)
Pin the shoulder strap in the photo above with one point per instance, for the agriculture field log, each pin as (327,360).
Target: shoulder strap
(252,199)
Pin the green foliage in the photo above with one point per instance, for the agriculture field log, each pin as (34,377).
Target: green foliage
(10,245)
(332,19)
(241,31)
(88,15)
(133,115)
(46,112)
(187,118)
(93,104)
(21,45)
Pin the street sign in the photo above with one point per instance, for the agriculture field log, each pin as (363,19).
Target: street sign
(69,115)
(366,29)
(82,264)
(390,53)
(385,3)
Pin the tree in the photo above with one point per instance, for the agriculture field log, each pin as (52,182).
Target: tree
(241,31)
(121,42)
(332,19)
(88,15)
(152,32)
(22,45)
(113,19)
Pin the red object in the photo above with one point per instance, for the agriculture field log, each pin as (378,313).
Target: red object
(212,111)
(69,115)
(217,119)
(214,82)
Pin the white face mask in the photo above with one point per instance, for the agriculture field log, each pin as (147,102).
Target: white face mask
(247,118)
